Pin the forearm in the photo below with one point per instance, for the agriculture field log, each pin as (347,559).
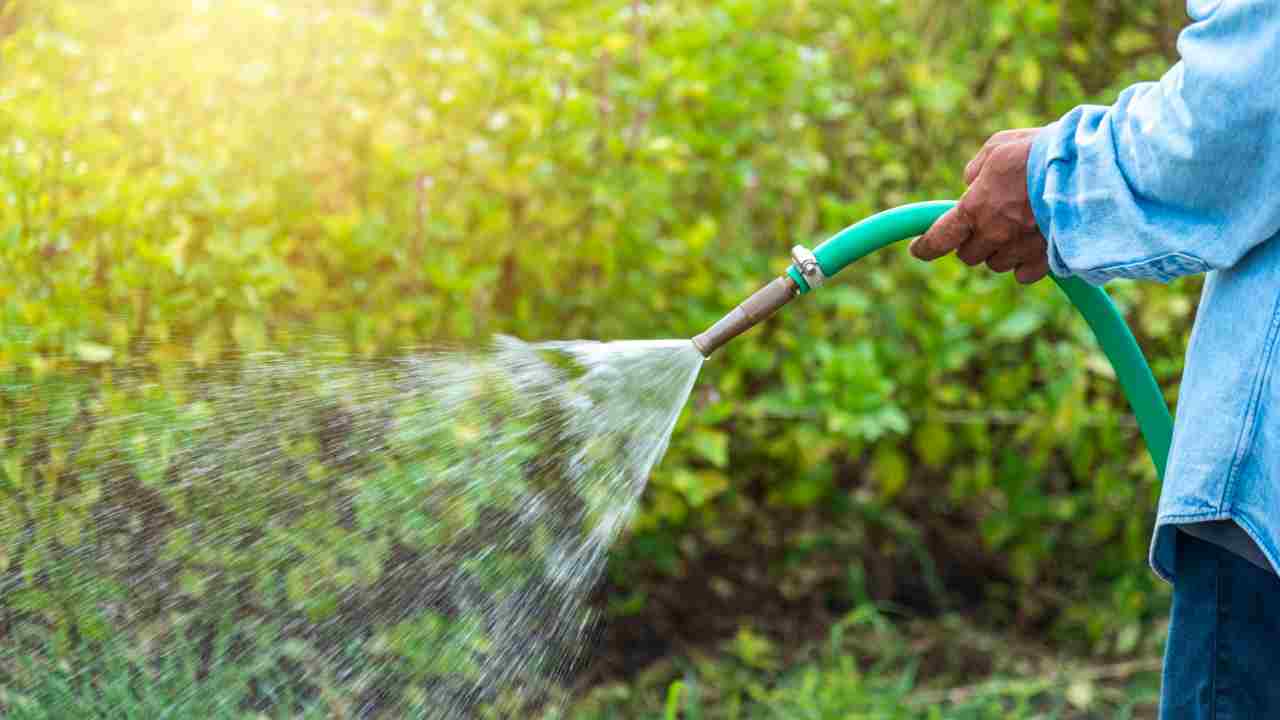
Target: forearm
(1179,176)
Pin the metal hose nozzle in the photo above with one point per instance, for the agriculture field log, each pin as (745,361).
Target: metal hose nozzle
(763,303)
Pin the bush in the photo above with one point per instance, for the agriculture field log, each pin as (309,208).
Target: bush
(184,185)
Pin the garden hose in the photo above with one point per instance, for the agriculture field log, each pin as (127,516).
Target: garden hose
(811,269)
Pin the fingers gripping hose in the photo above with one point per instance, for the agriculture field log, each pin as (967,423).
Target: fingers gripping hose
(857,241)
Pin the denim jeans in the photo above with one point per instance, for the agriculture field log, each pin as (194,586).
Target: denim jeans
(1222,660)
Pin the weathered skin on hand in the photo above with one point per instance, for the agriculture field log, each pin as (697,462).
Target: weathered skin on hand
(993,223)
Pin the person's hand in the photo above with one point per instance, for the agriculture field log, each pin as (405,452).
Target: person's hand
(993,222)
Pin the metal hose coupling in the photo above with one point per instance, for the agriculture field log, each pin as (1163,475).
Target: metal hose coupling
(763,303)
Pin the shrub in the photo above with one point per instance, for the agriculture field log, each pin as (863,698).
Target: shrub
(181,185)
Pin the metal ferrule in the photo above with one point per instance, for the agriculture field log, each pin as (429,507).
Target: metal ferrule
(763,303)
(807,264)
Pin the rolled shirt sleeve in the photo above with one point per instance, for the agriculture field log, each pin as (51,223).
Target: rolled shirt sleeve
(1179,176)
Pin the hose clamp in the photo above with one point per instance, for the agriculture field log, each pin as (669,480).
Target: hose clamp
(808,266)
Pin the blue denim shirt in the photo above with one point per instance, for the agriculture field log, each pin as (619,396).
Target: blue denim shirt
(1182,176)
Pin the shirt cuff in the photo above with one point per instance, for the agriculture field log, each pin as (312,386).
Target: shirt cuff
(1037,178)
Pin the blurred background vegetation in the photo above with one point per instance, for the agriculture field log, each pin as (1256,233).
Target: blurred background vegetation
(185,182)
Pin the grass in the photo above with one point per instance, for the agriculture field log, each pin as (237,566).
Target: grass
(867,666)
(870,667)
(115,681)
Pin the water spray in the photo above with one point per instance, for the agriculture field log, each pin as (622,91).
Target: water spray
(810,270)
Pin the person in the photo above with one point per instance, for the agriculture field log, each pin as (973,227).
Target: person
(1177,177)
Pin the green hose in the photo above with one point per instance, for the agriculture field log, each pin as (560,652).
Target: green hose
(1118,343)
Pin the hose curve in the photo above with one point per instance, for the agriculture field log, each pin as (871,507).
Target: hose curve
(1113,335)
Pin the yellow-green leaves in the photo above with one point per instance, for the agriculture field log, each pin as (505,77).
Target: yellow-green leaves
(186,185)
(890,470)
(710,445)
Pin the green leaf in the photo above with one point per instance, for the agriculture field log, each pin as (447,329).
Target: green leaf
(92,352)
(890,470)
(1018,324)
(699,488)
(711,445)
(933,444)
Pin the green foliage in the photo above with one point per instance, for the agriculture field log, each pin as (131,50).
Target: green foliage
(325,548)
(868,667)
(187,183)
(192,678)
